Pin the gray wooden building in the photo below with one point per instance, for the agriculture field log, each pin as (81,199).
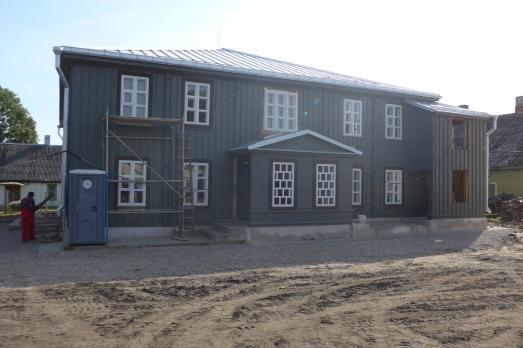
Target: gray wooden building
(265,141)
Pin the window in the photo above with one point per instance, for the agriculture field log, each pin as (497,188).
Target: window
(356,186)
(459,133)
(281,111)
(352,123)
(131,183)
(393,186)
(325,185)
(459,186)
(283,184)
(134,97)
(197,103)
(393,121)
(51,192)
(196,176)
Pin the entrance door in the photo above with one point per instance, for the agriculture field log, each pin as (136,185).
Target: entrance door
(242,188)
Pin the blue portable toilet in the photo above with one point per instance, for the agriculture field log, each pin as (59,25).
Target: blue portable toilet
(87,213)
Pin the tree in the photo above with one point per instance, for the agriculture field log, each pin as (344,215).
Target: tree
(16,124)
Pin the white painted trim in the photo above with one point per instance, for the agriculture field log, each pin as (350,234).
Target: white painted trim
(394,117)
(291,179)
(134,95)
(358,203)
(132,180)
(352,114)
(194,182)
(196,107)
(274,117)
(394,192)
(332,190)
(297,134)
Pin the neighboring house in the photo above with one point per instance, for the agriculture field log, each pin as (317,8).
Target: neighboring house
(30,167)
(506,153)
(272,142)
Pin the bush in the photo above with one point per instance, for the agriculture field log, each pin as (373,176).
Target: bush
(14,207)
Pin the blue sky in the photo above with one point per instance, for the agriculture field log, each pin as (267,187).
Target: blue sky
(467,51)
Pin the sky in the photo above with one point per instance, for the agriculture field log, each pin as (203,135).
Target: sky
(470,52)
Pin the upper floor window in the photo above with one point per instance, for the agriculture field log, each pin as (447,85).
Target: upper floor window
(196,182)
(281,111)
(197,103)
(356,186)
(393,186)
(459,133)
(131,183)
(352,123)
(134,97)
(393,121)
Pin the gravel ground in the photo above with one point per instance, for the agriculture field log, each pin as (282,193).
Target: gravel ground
(27,264)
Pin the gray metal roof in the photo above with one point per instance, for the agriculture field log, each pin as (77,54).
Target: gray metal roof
(436,106)
(227,60)
(506,143)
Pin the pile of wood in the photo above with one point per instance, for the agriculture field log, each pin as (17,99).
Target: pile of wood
(508,207)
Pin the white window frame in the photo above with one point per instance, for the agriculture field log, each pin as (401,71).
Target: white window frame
(281,183)
(196,105)
(354,182)
(134,95)
(271,121)
(332,188)
(395,117)
(352,118)
(194,183)
(132,178)
(394,195)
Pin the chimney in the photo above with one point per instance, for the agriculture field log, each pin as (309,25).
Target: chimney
(47,139)
(519,105)
(464,106)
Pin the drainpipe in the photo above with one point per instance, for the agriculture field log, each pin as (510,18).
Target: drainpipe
(487,150)
(65,125)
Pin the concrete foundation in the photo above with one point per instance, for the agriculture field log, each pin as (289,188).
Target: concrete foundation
(458,224)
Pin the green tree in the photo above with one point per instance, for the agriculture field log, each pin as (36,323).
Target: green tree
(16,124)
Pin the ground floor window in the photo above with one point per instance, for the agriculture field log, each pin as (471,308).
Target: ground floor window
(459,186)
(131,183)
(325,185)
(283,184)
(393,186)
(356,186)
(51,192)
(196,184)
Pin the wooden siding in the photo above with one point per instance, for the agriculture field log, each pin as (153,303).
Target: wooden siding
(237,111)
(507,180)
(446,158)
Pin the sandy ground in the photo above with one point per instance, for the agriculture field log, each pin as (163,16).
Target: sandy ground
(470,299)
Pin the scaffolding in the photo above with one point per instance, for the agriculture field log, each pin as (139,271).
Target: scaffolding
(182,210)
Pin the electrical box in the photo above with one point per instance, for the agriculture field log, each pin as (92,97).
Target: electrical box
(87,213)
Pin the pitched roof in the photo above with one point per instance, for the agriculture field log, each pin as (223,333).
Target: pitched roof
(435,106)
(506,143)
(288,136)
(30,162)
(227,60)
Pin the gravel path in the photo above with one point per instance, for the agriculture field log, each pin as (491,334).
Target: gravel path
(27,264)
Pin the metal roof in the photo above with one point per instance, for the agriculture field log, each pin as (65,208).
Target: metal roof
(506,143)
(447,109)
(227,60)
(288,136)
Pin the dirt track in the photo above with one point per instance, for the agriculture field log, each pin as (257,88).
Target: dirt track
(462,299)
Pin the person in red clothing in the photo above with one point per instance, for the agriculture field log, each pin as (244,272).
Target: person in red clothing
(28,217)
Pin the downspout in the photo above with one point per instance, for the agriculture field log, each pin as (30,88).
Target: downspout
(65,122)
(487,150)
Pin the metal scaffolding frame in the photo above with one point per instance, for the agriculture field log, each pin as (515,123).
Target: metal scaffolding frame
(178,185)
